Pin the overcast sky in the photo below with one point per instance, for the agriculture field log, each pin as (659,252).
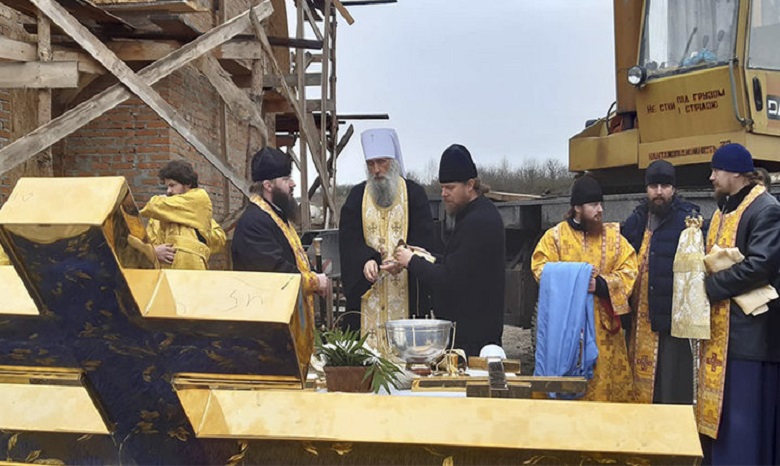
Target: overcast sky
(506,78)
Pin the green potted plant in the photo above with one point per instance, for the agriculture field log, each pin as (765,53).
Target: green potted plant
(350,365)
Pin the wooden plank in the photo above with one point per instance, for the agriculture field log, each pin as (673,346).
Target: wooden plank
(86,63)
(310,18)
(482,390)
(39,75)
(237,100)
(167,6)
(292,42)
(332,160)
(538,384)
(344,12)
(45,55)
(316,106)
(85,10)
(118,68)
(308,129)
(45,136)
(301,101)
(327,9)
(16,50)
(272,81)
(366,2)
(142,50)
(509,197)
(310,79)
(294,157)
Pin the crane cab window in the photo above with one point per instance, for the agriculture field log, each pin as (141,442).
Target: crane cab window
(684,35)
(764,35)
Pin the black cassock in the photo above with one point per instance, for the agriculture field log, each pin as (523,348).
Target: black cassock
(469,279)
(259,245)
(355,252)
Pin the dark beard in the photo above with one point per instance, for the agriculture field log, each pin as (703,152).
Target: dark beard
(593,227)
(660,210)
(287,204)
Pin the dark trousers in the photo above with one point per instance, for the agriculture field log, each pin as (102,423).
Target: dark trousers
(749,424)
(674,372)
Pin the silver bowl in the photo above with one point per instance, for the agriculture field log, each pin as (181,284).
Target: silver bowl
(418,341)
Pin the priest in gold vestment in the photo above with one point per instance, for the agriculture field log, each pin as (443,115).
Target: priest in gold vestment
(378,214)
(738,403)
(583,237)
(181,229)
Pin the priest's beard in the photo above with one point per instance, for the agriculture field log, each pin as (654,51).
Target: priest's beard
(660,207)
(286,202)
(384,188)
(594,225)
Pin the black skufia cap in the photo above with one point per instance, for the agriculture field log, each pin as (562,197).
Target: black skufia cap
(660,172)
(270,163)
(456,165)
(586,190)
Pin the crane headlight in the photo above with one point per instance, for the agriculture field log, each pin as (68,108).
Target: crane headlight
(637,75)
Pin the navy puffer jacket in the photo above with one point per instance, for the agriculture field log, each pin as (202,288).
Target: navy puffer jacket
(663,247)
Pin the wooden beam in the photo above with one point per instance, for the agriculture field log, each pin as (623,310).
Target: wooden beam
(310,18)
(333,159)
(344,12)
(44,95)
(39,75)
(290,42)
(271,82)
(316,106)
(307,122)
(366,2)
(45,136)
(285,140)
(86,63)
(164,6)
(237,100)
(142,50)
(126,76)
(310,79)
(294,157)
(240,49)
(16,50)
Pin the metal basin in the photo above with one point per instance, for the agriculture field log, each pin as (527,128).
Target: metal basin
(418,341)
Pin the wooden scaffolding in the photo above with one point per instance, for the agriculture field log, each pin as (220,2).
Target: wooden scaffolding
(259,71)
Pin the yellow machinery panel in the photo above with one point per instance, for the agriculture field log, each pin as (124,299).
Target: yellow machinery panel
(692,104)
(765,106)
(593,148)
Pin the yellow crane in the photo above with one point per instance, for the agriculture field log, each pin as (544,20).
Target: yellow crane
(690,77)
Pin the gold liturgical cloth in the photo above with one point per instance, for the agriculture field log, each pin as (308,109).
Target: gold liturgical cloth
(388,298)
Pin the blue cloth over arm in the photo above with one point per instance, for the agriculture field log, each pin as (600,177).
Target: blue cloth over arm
(565,321)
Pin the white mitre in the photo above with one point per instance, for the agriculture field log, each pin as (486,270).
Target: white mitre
(382,143)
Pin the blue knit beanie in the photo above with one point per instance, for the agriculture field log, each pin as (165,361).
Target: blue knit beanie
(733,158)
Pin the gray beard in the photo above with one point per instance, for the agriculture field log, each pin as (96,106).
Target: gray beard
(384,190)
